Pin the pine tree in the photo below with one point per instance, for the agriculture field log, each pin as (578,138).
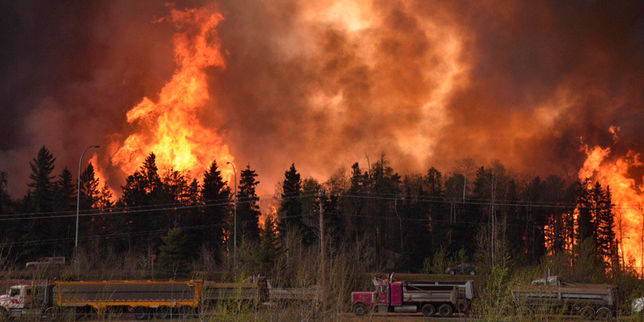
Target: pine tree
(173,261)
(215,193)
(42,198)
(89,192)
(42,167)
(607,239)
(290,211)
(269,246)
(585,220)
(384,181)
(354,204)
(248,206)
(65,191)
(65,200)
(145,188)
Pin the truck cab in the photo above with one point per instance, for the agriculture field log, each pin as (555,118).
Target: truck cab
(428,297)
(17,297)
(25,299)
(364,302)
(16,300)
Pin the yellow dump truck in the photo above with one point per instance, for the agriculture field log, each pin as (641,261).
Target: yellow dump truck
(143,299)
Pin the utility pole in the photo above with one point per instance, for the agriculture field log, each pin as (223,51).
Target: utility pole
(322,277)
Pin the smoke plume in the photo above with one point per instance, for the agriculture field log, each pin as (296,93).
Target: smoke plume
(326,83)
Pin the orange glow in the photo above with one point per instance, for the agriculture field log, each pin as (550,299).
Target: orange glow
(627,196)
(100,175)
(170,126)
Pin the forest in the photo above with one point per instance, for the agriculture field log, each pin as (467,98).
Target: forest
(413,223)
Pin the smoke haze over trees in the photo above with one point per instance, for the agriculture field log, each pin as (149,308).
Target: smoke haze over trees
(407,221)
(321,83)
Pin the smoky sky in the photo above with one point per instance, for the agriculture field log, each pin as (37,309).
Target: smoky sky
(328,83)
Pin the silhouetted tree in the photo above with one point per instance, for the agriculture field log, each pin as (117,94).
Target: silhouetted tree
(290,210)
(248,206)
(215,195)
(89,192)
(269,246)
(42,187)
(42,184)
(144,189)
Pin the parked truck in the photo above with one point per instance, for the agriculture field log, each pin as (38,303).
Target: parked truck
(428,297)
(553,295)
(144,299)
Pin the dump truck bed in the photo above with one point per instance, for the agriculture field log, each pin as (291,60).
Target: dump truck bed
(107,293)
(600,294)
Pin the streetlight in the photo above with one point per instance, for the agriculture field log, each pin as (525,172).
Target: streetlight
(234,218)
(80,162)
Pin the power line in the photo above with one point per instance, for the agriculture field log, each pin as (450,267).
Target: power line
(179,206)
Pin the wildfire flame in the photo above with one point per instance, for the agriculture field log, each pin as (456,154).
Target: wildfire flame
(627,196)
(170,126)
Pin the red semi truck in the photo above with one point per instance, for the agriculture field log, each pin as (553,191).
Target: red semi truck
(428,297)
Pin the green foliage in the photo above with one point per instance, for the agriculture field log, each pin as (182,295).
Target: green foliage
(173,261)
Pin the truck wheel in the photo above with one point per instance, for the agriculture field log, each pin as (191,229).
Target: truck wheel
(462,307)
(428,310)
(4,314)
(603,313)
(141,313)
(162,312)
(445,310)
(587,312)
(52,313)
(360,309)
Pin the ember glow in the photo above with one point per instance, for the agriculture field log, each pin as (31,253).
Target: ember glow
(627,195)
(170,126)
(323,84)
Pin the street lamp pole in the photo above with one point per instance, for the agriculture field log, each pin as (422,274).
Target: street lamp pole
(234,218)
(80,162)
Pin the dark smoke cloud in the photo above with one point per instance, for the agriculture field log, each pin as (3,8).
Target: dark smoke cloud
(301,85)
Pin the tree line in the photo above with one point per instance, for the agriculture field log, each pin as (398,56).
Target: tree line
(410,222)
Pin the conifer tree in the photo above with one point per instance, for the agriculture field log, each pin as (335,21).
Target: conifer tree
(42,184)
(145,188)
(290,211)
(173,261)
(89,192)
(585,221)
(65,191)
(269,246)
(42,198)
(354,204)
(248,206)
(65,200)
(215,194)
(607,239)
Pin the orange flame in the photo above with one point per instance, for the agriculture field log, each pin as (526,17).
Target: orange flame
(170,126)
(627,196)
